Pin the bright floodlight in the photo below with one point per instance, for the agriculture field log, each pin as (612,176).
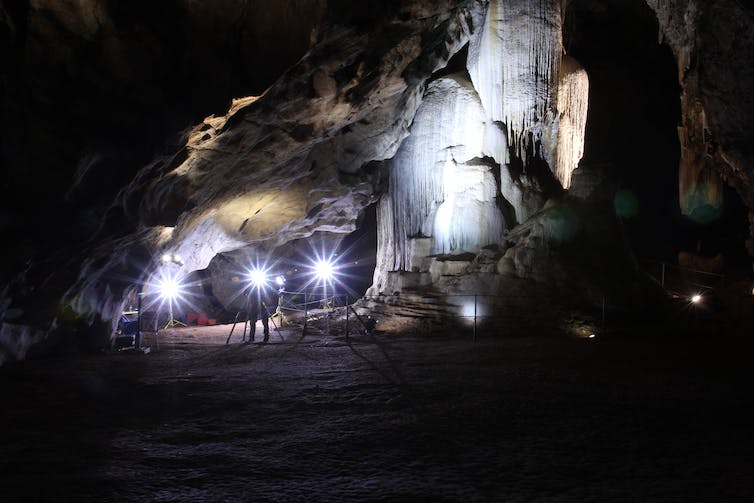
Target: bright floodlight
(324,270)
(258,277)
(696,298)
(166,257)
(169,288)
(280,280)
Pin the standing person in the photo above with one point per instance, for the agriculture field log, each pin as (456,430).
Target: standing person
(257,310)
(267,298)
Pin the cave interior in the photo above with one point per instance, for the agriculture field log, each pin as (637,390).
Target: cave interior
(77,191)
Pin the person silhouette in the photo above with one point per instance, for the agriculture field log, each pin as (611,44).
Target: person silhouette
(257,310)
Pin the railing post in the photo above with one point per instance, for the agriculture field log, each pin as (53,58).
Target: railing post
(281,303)
(137,338)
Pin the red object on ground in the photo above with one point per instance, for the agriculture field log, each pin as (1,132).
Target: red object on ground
(202,320)
(211,321)
(191,317)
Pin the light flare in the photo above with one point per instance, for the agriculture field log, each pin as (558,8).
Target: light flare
(324,270)
(258,277)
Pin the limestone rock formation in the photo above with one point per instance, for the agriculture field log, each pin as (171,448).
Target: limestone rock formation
(282,166)
(515,64)
(435,187)
(573,103)
(712,42)
(508,121)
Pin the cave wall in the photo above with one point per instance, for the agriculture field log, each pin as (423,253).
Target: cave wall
(283,165)
(713,44)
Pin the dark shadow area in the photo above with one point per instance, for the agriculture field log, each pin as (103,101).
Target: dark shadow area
(358,252)
(92,91)
(634,110)
(386,419)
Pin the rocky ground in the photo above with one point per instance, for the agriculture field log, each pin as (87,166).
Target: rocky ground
(638,415)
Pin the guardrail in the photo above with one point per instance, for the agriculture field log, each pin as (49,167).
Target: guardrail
(673,277)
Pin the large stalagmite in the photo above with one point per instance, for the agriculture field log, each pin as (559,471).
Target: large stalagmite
(441,197)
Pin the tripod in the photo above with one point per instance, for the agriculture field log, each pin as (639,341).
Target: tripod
(172,322)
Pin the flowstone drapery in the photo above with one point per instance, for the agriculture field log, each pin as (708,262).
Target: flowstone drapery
(435,188)
(472,166)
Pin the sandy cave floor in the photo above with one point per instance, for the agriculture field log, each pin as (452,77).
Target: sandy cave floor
(431,417)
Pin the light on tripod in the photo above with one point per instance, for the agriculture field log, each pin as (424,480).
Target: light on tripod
(258,277)
(324,270)
(169,288)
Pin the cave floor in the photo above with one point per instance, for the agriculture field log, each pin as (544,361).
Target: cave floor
(436,417)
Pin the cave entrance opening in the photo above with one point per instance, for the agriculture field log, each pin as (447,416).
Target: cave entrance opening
(632,135)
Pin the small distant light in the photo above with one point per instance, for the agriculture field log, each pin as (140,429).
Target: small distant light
(177,259)
(592,336)
(166,257)
(280,280)
(752,291)
(696,298)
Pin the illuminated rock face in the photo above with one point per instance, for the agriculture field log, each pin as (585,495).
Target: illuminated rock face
(514,65)
(573,103)
(285,165)
(436,189)
(462,163)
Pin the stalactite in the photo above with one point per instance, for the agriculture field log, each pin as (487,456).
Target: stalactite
(698,184)
(514,65)
(485,61)
(573,101)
